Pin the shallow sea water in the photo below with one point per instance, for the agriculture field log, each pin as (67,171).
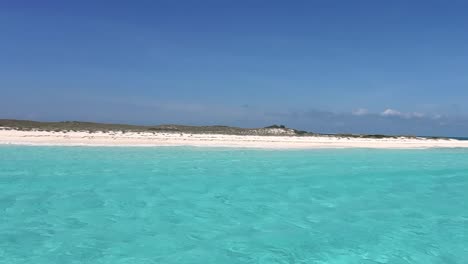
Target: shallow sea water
(197,205)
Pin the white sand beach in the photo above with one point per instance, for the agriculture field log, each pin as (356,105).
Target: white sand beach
(44,138)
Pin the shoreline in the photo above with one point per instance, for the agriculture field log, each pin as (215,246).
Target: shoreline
(161,139)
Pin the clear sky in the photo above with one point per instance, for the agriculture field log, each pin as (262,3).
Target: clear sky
(397,67)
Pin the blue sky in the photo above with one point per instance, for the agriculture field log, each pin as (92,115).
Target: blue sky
(396,67)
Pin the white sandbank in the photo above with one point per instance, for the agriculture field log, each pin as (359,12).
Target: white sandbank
(43,138)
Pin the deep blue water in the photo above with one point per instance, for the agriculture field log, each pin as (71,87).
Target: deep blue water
(196,205)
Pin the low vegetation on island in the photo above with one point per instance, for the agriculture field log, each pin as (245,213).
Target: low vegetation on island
(69,126)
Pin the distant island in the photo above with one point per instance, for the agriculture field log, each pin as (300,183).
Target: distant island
(92,127)
(76,133)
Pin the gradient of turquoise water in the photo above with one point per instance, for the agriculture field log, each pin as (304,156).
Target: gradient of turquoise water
(195,205)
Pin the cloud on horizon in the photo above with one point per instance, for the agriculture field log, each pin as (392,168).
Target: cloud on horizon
(395,113)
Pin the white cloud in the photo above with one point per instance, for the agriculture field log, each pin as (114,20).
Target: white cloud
(395,113)
(360,112)
(391,112)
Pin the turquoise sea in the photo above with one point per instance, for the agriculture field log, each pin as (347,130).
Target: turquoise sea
(196,205)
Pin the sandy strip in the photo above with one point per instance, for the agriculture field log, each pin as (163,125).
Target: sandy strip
(43,138)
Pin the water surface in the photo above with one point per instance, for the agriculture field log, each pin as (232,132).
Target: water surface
(198,205)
